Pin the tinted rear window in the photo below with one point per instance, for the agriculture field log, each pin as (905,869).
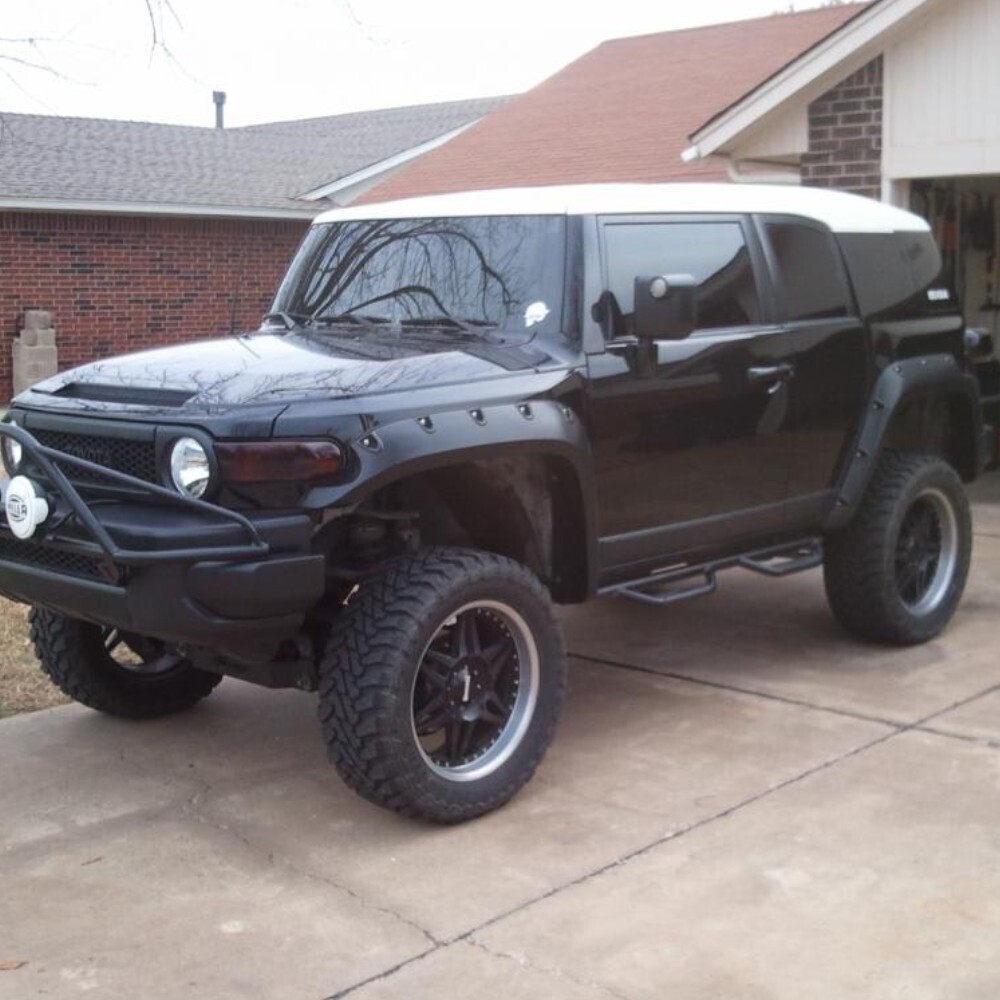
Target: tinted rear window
(809,271)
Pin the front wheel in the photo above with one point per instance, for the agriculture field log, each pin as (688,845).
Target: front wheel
(116,672)
(896,573)
(442,683)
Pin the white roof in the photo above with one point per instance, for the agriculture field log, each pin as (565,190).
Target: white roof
(846,213)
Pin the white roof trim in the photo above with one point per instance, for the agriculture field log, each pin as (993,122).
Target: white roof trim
(850,43)
(383,166)
(839,211)
(152,208)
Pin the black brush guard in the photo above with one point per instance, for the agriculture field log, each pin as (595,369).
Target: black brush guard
(172,567)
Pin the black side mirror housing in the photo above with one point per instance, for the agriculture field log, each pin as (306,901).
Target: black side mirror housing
(666,307)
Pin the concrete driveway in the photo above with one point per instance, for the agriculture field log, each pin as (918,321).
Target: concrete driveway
(741,802)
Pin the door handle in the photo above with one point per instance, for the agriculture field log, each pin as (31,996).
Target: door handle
(775,374)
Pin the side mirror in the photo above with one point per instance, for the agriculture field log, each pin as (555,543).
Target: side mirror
(666,307)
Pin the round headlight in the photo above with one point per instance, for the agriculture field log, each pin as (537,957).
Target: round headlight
(12,454)
(189,467)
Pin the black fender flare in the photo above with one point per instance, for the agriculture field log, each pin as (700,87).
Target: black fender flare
(403,447)
(898,383)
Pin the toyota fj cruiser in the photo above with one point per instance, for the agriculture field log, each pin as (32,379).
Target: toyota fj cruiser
(464,408)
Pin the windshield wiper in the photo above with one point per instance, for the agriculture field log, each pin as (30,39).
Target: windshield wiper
(352,319)
(445,322)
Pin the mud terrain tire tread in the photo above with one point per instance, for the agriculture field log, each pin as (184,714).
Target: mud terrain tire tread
(365,683)
(72,653)
(858,569)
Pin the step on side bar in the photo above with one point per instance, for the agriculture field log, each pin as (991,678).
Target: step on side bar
(679,583)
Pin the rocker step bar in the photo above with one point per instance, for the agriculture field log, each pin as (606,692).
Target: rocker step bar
(679,583)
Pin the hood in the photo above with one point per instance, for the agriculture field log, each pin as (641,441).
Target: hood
(265,368)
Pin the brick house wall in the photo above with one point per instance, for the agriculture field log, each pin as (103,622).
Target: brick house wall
(845,135)
(126,283)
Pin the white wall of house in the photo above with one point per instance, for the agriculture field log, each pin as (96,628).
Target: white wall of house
(942,94)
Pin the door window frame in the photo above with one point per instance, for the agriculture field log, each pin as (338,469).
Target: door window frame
(751,237)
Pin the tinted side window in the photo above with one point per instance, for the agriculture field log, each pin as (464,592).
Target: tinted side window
(714,253)
(809,271)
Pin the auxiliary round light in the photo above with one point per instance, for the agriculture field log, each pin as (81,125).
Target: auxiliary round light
(190,470)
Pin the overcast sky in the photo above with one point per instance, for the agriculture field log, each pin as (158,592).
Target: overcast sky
(284,59)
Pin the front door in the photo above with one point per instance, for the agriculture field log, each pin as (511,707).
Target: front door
(694,453)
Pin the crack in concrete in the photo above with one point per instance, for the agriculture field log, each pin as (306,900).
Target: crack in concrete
(961,703)
(525,962)
(982,741)
(735,689)
(385,973)
(625,859)
(191,809)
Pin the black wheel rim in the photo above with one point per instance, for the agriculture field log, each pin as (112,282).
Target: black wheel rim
(474,691)
(138,654)
(926,552)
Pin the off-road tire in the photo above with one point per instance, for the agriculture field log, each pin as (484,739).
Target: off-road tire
(867,568)
(74,655)
(374,669)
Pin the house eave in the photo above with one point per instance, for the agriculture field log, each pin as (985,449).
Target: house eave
(379,167)
(86,206)
(843,51)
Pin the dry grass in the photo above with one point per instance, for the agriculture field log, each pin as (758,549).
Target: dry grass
(23,685)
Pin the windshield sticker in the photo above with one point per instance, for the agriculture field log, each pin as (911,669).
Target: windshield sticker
(535,313)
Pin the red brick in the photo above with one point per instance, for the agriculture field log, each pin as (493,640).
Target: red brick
(851,158)
(119,283)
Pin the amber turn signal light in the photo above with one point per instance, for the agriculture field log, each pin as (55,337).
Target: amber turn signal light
(279,461)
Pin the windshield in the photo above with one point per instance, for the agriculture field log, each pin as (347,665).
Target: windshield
(500,272)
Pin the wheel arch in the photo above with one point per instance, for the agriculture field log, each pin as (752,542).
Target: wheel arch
(925,405)
(515,480)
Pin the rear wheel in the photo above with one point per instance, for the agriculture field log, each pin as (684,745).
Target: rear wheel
(896,573)
(442,683)
(114,671)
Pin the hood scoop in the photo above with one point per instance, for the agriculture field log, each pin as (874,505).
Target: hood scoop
(126,394)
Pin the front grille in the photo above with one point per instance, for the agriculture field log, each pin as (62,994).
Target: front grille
(135,458)
(58,561)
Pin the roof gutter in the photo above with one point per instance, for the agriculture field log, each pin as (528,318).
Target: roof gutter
(789,175)
(776,173)
(306,213)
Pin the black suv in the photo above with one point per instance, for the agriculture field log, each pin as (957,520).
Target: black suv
(464,408)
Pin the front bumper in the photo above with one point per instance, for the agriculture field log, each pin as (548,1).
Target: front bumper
(152,562)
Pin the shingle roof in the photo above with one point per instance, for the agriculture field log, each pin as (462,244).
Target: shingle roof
(622,112)
(259,167)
